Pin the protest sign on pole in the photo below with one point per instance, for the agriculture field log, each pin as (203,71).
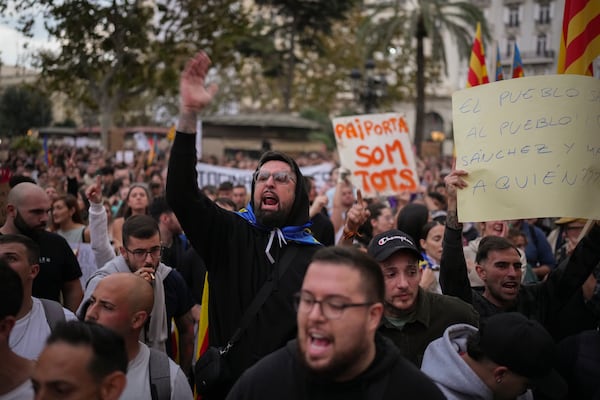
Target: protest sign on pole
(377,149)
(531,147)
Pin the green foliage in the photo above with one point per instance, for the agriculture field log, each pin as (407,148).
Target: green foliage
(290,31)
(113,51)
(23,107)
(26,143)
(393,20)
(430,19)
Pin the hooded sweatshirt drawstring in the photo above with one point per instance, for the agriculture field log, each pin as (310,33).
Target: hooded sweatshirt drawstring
(281,239)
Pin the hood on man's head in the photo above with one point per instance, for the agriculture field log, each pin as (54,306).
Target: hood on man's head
(299,213)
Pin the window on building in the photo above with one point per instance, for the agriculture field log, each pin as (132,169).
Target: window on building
(541,45)
(544,15)
(510,45)
(513,15)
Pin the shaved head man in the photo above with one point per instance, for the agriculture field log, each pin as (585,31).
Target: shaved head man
(122,302)
(27,208)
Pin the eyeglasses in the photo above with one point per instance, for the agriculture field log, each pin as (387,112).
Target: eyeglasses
(282,177)
(140,254)
(330,308)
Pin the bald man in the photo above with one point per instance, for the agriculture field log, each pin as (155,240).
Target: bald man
(27,208)
(123,302)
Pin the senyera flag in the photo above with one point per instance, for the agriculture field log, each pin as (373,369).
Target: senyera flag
(477,69)
(580,39)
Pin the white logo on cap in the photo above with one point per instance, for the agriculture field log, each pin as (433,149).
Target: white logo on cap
(386,239)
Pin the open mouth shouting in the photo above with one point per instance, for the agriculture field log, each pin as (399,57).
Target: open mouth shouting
(498,228)
(269,201)
(511,287)
(319,344)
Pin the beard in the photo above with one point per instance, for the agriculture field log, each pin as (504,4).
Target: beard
(24,228)
(339,365)
(271,219)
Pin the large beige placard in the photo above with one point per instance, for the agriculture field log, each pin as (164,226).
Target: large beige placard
(531,147)
(377,149)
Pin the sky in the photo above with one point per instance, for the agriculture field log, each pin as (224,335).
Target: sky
(12,41)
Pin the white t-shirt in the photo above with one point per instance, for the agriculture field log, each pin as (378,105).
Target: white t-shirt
(138,379)
(29,334)
(21,392)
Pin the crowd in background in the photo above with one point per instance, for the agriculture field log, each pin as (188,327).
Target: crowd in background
(69,175)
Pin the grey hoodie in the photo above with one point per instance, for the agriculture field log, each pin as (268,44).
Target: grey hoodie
(446,368)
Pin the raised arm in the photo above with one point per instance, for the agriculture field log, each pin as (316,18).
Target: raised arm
(355,217)
(202,221)
(98,225)
(454,279)
(194,94)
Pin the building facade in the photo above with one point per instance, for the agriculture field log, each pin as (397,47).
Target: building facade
(534,25)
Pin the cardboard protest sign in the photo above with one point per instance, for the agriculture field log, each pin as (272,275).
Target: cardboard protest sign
(376,148)
(531,147)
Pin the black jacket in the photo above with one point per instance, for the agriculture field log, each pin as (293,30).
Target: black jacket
(234,253)
(282,375)
(542,301)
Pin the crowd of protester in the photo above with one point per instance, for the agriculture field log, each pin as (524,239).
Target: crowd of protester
(411,303)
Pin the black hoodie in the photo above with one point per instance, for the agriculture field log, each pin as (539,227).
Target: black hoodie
(234,253)
(282,375)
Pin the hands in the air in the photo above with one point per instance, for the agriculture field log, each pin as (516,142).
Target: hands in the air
(193,92)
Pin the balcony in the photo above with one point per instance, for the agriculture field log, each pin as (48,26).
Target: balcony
(532,57)
(543,24)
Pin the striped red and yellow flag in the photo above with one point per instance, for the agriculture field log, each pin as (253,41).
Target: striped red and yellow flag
(202,342)
(580,39)
(477,69)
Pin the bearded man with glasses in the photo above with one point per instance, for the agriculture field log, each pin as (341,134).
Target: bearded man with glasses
(267,241)
(140,255)
(338,353)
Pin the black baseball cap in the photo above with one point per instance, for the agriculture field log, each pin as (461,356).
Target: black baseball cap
(525,347)
(387,243)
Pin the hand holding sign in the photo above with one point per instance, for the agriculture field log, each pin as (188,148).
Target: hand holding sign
(355,217)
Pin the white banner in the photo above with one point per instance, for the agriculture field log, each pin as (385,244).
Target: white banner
(209,174)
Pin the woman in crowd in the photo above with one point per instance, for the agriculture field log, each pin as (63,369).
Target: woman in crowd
(381,220)
(431,239)
(67,220)
(136,203)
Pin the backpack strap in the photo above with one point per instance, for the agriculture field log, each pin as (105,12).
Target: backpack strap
(54,313)
(160,375)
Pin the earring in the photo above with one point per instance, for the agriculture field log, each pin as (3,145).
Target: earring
(499,380)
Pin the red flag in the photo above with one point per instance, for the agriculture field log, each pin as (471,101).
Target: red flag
(580,39)
(477,69)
